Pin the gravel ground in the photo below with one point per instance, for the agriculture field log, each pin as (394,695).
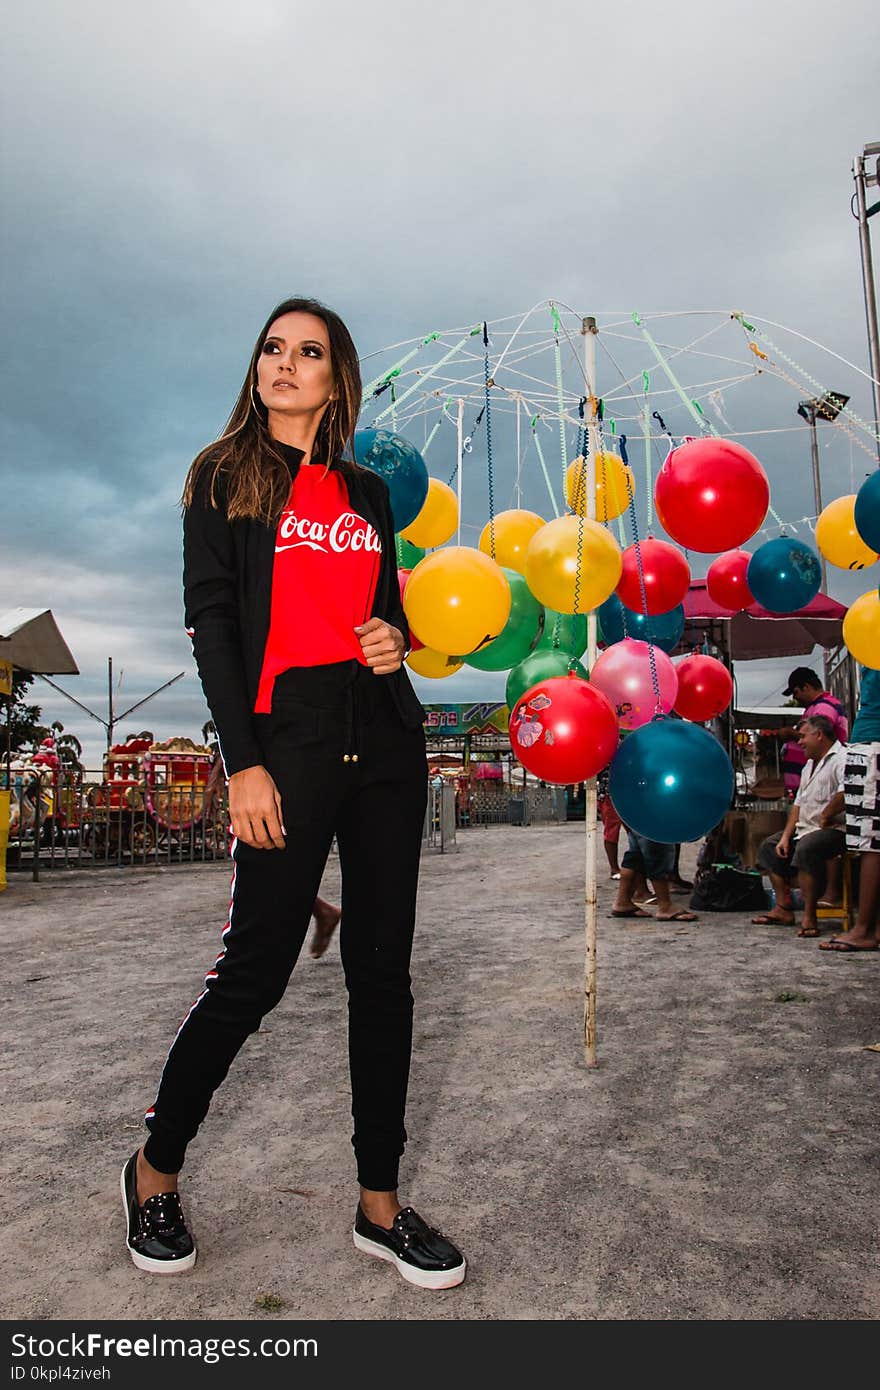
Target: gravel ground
(719,1163)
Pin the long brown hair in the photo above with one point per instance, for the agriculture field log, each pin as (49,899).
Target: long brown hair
(257,478)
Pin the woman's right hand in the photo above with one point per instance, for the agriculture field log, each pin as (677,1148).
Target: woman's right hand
(255,809)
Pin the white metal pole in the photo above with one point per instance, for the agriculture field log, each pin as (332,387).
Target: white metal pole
(589,331)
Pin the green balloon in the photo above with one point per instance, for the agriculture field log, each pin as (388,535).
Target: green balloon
(569,631)
(408,555)
(542,665)
(516,638)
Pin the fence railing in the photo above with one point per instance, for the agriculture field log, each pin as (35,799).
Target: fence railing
(76,822)
(499,803)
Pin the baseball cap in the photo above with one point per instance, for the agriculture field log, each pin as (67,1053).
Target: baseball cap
(802,675)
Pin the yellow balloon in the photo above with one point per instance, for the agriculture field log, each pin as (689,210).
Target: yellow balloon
(615,484)
(437,520)
(457,600)
(861,629)
(436,665)
(837,537)
(513,531)
(552,564)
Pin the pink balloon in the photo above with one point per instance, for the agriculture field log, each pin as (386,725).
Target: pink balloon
(623,673)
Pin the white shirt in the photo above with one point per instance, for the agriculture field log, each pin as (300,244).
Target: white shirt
(819,783)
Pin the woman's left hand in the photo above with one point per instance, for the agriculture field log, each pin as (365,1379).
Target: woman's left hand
(382,645)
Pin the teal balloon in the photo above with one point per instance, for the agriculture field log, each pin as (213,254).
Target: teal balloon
(516,638)
(541,665)
(867,511)
(564,632)
(671,781)
(408,555)
(402,467)
(664,630)
(784,575)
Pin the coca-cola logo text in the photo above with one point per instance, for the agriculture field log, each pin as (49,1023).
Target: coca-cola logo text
(348,532)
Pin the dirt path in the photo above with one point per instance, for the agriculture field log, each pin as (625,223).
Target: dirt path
(718,1164)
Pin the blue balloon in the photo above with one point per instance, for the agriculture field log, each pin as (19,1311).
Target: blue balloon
(402,467)
(784,575)
(671,781)
(663,629)
(868,511)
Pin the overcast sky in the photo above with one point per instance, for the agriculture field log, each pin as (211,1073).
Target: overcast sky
(171,171)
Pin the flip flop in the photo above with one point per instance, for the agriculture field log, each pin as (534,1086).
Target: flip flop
(632,912)
(680,916)
(809,931)
(765,920)
(835,944)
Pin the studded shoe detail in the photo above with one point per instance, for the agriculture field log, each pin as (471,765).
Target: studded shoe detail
(422,1255)
(157,1238)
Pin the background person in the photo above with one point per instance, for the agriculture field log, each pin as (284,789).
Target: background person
(813,833)
(862,791)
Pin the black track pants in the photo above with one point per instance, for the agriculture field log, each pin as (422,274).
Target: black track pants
(375,806)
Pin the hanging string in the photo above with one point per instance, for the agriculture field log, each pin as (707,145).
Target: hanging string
(487,383)
(519,409)
(560,394)
(381,383)
(533,423)
(431,372)
(695,410)
(820,390)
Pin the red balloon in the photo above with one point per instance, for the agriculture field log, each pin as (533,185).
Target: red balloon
(705,688)
(563,730)
(711,495)
(666,573)
(402,577)
(726,582)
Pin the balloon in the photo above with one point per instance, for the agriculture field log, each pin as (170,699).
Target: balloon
(457,600)
(711,495)
(726,581)
(435,665)
(437,520)
(838,538)
(402,577)
(861,629)
(705,688)
(671,781)
(539,666)
(784,575)
(515,642)
(663,629)
(563,730)
(402,467)
(665,571)
(867,511)
(572,564)
(623,673)
(564,632)
(615,485)
(408,556)
(513,530)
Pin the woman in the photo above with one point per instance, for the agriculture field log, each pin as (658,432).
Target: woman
(293,605)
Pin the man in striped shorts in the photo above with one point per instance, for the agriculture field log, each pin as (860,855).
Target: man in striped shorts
(862,793)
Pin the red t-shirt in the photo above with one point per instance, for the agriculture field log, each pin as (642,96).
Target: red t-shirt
(324,578)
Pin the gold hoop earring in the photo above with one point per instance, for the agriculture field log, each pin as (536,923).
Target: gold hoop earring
(254,401)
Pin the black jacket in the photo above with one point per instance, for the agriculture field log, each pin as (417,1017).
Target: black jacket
(227,592)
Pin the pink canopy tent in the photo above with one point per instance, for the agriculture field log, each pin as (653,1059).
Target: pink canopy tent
(756,633)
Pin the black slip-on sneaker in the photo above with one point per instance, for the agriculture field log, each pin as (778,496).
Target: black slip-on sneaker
(422,1255)
(157,1238)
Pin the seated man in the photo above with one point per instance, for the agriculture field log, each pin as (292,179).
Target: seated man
(814,832)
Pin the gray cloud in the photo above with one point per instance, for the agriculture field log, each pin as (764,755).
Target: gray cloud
(168,175)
